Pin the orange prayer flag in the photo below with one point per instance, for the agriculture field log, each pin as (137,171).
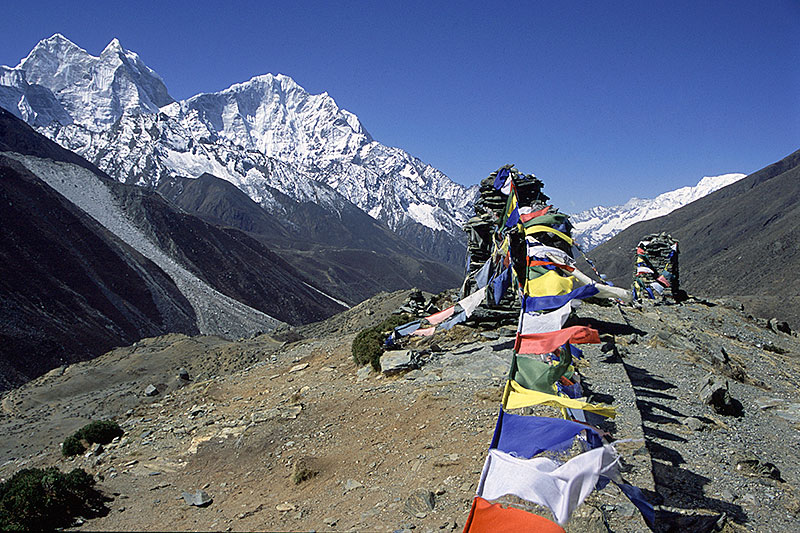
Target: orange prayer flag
(485,517)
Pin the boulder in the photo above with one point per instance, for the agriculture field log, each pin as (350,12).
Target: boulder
(198,498)
(421,501)
(779,326)
(715,394)
(395,361)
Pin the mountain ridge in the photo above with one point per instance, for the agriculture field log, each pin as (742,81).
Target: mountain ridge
(734,242)
(267,131)
(598,224)
(149,269)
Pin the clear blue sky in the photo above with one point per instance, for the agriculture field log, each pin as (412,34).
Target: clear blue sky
(602,100)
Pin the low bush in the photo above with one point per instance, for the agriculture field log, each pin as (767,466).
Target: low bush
(99,431)
(367,346)
(45,499)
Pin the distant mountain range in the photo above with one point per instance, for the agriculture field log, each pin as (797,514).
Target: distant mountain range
(738,242)
(598,224)
(264,135)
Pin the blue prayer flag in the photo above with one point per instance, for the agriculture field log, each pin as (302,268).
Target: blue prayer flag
(500,284)
(500,179)
(527,436)
(542,303)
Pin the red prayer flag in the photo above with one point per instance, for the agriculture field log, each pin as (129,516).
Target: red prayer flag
(441,315)
(539,343)
(527,216)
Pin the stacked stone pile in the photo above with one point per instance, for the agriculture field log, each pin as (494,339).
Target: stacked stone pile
(656,274)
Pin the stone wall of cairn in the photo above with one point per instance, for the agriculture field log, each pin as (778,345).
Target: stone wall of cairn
(485,230)
(655,275)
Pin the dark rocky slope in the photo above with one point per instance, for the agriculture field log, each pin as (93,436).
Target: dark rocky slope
(68,288)
(738,242)
(71,289)
(347,253)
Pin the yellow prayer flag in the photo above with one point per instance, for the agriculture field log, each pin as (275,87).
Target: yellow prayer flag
(542,229)
(549,284)
(516,396)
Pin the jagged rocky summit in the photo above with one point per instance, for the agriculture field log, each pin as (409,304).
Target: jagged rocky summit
(265,134)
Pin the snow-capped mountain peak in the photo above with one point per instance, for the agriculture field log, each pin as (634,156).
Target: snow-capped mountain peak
(95,91)
(266,132)
(598,224)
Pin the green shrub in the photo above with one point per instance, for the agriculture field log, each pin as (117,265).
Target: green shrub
(367,346)
(44,499)
(99,431)
(72,446)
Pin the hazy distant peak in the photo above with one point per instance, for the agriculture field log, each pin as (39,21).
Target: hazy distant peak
(598,224)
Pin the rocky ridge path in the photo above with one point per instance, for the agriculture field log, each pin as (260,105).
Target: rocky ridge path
(392,453)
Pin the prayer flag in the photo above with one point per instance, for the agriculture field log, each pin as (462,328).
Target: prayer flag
(515,396)
(528,436)
(550,283)
(441,315)
(560,487)
(407,329)
(537,375)
(533,230)
(482,276)
(500,284)
(529,216)
(545,322)
(500,179)
(539,343)
(540,303)
(453,320)
(471,302)
(485,517)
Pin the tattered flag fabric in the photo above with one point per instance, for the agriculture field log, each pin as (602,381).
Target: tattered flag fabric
(533,214)
(528,436)
(441,315)
(500,284)
(407,329)
(486,517)
(516,396)
(540,251)
(636,496)
(512,218)
(537,375)
(500,179)
(541,303)
(482,275)
(471,302)
(560,487)
(545,322)
(539,343)
(453,320)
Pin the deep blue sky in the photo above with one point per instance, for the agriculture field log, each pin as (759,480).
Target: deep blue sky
(602,100)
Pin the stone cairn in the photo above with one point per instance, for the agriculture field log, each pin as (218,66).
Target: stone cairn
(656,274)
(483,233)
